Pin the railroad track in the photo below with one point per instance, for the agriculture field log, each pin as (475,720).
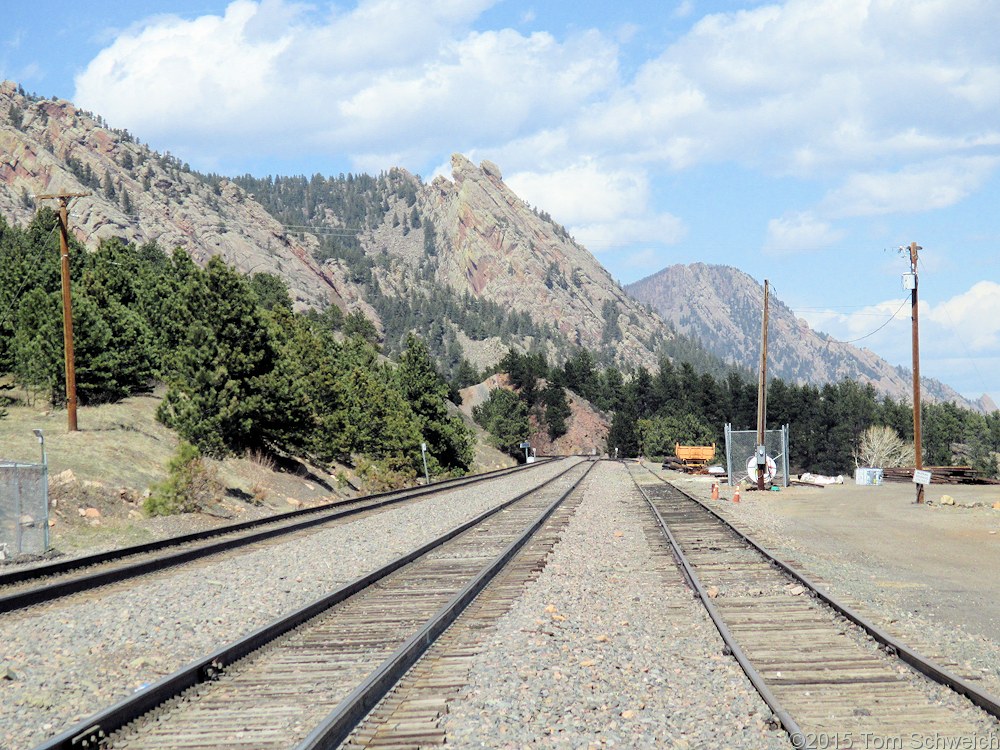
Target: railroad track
(276,688)
(832,678)
(25,587)
(411,715)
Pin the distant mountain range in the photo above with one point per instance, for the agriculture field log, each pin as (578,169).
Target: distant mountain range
(722,307)
(464,261)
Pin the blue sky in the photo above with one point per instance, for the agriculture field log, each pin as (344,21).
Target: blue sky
(800,141)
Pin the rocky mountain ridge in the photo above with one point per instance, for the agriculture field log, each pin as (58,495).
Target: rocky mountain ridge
(492,245)
(470,234)
(50,146)
(723,307)
(463,260)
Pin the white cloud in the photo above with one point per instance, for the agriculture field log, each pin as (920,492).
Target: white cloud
(916,188)
(684,9)
(653,229)
(973,316)
(363,81)
(799,232)
(583,192)
(604,208)
(804,85)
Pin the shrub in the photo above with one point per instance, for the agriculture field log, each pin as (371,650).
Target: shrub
(190,484)
(261,465)
(384,475)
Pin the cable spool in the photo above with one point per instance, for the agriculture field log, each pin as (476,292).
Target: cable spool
(770,468)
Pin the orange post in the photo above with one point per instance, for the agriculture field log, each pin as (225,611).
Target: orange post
(736,495)
(715,490)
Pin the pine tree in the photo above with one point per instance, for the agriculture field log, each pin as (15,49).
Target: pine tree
(505,416)
(36,347)
(448,441)
(109,187)
(217,397)
(127,206)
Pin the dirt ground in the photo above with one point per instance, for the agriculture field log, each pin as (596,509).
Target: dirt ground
(941,561)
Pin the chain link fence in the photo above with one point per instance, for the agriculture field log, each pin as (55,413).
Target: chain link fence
(741,454)
(24,508)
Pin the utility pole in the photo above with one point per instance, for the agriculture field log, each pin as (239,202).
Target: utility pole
(762,395)
(917,442)
(67,303)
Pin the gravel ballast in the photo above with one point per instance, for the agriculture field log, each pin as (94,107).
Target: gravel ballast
(608,648)
(60,663)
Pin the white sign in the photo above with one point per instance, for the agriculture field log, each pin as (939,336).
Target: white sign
(921,477)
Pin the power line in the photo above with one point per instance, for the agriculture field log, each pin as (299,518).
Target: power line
(867,335)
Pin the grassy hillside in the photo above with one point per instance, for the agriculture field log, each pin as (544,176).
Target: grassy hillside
(120,451)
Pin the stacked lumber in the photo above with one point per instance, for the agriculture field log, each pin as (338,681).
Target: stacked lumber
(675,464)
(939,475)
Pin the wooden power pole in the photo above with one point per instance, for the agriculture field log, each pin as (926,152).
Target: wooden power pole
(67,303)
(762,396)
(917,442)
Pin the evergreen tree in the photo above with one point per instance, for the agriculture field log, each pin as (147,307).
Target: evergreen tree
(218,397)
(127,206)
(356,324)
(36,347)
(380,422)
(449,442)
(505,416)
(557,410)
(659,436)
(114,343)
(623,437)
(109,187)
(271,291)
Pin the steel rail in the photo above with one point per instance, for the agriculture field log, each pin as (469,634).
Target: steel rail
(90,732)
(984,700)
(336,727)
(320,515)
(781,714)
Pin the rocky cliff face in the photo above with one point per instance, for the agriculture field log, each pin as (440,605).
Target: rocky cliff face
(49,146)
(722,306)
(495,246)
(490,243)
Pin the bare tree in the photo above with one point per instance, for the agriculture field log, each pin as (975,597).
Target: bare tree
(882,447)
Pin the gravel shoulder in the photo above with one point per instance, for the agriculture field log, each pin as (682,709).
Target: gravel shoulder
(608,648)
(926,573)
(61,663)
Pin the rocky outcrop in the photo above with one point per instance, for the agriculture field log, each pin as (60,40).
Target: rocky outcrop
(134,193)
(586,432)
(586,428)
(722,307)
(492,244)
